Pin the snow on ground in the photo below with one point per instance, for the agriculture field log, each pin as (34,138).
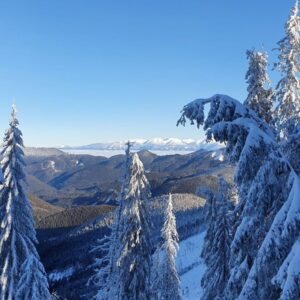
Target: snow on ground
(218,155)
(79,164)
(190,266)
(51,165)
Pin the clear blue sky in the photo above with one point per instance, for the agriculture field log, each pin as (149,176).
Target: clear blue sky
(83,71)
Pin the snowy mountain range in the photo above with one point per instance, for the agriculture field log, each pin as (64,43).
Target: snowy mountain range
(158,144)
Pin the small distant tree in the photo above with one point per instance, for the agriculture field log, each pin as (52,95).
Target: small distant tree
(22,275)
(260,99)
(168,277)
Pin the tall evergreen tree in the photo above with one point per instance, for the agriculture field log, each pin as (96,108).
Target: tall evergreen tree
(134,259)
(168,277)
(267,231)
(288,88)
(124,270)
(288,276)
(106,279)
(259,99)
(218,239)
(33,283)
(263,251)
(22,274)
(276,256)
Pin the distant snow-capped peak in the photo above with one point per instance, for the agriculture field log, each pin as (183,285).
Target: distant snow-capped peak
(163,144)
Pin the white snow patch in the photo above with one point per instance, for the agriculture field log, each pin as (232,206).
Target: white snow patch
(79,164)
(190,266)
(218,155)
(51,165)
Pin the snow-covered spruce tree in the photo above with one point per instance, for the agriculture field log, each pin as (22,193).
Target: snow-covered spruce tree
(33,282)
(276,255)
(287,113)
(106,277)
(124,270)
(22,274)
(155,273)
(218,255)
(268,192)
(168,277)
(282,239)
(210,207)
(264,178)
(134,261)
(291,149)
(288,277)
(259,99)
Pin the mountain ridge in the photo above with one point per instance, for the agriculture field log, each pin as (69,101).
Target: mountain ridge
(152,144)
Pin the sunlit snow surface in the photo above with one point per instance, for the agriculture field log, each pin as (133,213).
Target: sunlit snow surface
(190,266)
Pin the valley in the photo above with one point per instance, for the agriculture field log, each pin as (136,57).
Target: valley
(74,197)
(68,180)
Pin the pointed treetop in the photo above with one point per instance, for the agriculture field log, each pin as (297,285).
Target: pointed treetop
(13,113)
(14,109)
(128,152)
(169,229)
(170,202)
(136,181)
(292,24)
(296,7)
(129,145)
(294,11)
